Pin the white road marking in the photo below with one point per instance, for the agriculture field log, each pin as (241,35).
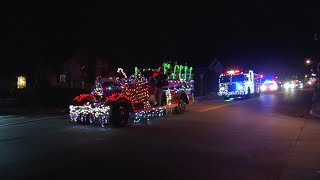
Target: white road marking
(33,120)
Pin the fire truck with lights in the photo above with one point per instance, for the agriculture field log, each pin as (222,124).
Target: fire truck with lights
(236,83)
(114,98)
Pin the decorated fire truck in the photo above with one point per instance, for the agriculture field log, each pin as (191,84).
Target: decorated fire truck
(236,83)
(146,93)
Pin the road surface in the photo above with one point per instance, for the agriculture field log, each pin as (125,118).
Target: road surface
(268,137)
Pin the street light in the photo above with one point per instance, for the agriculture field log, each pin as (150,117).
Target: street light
(308,61)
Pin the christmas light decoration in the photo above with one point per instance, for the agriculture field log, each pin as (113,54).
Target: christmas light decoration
(180,71)
(98,90)
(89,114)
(82,97)
(175,71)
(135,91)
(185,72)
(165,67)
(120,70)
(147,114)
(238,84)
(169,105)
(190,73)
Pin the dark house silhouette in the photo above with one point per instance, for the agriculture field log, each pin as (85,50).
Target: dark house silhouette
(206,78)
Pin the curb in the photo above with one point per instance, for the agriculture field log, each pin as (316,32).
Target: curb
(314,114)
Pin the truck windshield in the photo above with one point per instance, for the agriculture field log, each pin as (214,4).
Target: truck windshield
(225,79)
(106,85)
(234,78)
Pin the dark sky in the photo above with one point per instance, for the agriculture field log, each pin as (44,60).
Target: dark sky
(256,33)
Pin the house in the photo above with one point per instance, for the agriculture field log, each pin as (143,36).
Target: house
(206,78)
(54,72)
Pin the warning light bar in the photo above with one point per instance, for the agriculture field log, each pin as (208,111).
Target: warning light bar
(233,71)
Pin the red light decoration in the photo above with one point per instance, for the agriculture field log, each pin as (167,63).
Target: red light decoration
(81,97)
(116,96)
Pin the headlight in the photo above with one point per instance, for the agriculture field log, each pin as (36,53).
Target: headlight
(286,85)
(263,88)
(221,88)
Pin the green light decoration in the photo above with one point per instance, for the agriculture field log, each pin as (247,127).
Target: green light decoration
(165,67)
(174,71)
(176,68)
(180,71)
(190,72)
(185,72)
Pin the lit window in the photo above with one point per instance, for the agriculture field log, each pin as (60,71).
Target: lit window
(63,78)
(22,82)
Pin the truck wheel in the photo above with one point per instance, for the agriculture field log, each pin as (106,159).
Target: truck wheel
(226,98)
(120,115)
(182,104)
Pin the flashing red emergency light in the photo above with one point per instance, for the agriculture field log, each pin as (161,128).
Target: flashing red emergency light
(233,71)
(261,76)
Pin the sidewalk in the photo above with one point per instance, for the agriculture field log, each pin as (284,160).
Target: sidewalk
(303,160)
(315,107)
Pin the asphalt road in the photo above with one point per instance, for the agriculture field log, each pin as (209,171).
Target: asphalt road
(268,137)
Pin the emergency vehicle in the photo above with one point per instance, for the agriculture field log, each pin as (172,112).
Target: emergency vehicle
(113,99)
(236,83)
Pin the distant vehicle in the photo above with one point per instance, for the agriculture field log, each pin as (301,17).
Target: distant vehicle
(269,86)
(289,85)
(234,84)
(298,84)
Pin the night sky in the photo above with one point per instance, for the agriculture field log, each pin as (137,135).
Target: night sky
(262,35)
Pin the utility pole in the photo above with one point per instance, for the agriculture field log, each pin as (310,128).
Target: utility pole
(316,56)
(201,78)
